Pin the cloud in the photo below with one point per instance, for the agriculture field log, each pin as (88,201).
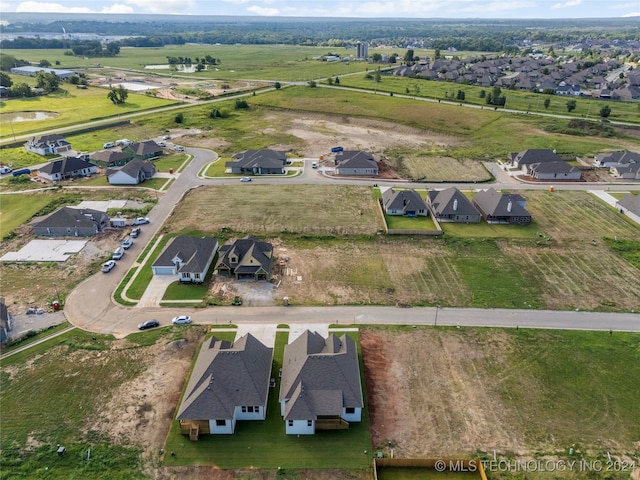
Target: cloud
(569,4)
(632,14)
(183,7)
(263,11)
(50,7)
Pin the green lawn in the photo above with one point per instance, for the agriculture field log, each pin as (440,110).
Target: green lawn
(72,106)
(264,445)
(17,209)
(400,222)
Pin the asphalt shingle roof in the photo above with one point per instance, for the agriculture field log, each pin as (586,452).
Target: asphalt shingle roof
(194,252)
(451,201)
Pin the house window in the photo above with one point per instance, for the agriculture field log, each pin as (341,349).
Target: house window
(250,409)
(291,423)
(221,423)
(197,275)
(256,409)
(185,275)
(244,409)
(350,410)
(309,423)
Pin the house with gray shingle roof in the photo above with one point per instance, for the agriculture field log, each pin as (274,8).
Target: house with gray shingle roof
(496,207)
(187,257)
(65,168)
(246,258)
(320,386)
(616,159)
(258,162)
(630,203)
(229,382)
(110,158)
(559,170)
(451,205)
(533,155)
(48,144)
(631,171)
(143,150)
(355,162)
(71,222)
(132,173)
(404,202)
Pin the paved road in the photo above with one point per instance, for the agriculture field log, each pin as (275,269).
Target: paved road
(91,307)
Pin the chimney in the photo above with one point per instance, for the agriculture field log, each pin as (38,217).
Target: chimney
(455,205)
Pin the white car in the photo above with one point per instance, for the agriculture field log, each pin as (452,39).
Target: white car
(245,179)
(161,144)
(166,137)
(182,319)
(108,266)
(178,148)
(4,170)
(140,221)
(126,243)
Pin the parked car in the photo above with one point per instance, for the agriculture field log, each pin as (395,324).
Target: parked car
(126,243)
(4,170)
(108,266)
(148,324)
(166,137)
(314,164)
(182,319)
(23,171)
(140,221)
(178,148)
(245,179)
(118,253)
(161,144)
(135,232)
(109,145)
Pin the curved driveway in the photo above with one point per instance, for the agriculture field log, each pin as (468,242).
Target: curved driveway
(90,305)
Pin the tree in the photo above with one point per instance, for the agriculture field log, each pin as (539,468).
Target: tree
(330,80)
(49,82)
(547,102)
(337,82)
(483,94)
(118,94)
(5,80)
(277,86)
(44,63)
(376,57)
(408,57)
(215,113)
(21,90)
(179,118)
(460,95)
(74,79)
(436,54)
(605,111)
(241,103)
(377,76)
(571,105)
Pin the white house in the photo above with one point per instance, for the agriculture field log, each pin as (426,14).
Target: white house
(229,382)
(320,386)
(132,173)
(65,168)
(48,145)
(187,257)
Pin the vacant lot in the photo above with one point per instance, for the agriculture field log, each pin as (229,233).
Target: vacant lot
(528,393)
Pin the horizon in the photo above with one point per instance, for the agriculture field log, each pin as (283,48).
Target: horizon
(321,9)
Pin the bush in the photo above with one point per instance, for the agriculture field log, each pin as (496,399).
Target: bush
(241,103)
(179,118)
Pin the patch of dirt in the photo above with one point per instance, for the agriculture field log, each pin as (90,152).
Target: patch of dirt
(426,397)
(141,411)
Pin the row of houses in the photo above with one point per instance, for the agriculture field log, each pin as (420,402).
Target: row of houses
(623,165)
(320,385)
(531,73)
(451,205)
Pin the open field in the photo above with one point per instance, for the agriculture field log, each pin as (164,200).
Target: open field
(284,63)
(71,106)
(524,101)
(520,392)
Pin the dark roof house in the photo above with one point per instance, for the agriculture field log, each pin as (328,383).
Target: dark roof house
(533,155)
(246,258)
(630,203)
(187,257)
(355,162)
(76,222)
(320,386)
(559,170)
(143,150)
(496,207)
(65,168)
(451,205)
(110,158)
(229,382)
(404,202)
(132,173)
(258,162)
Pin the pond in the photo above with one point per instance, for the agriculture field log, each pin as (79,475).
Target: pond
(180,68)
(27,116)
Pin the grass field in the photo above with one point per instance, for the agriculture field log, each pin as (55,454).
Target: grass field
(524,101)
(72,106)
(284,63)
(15,210)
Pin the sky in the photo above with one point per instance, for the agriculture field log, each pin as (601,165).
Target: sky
(342,8)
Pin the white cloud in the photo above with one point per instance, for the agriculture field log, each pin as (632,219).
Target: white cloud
(236,2)
(263,11)
(183,7)
(569,4)
(50,8)
(632,14)
(117,8)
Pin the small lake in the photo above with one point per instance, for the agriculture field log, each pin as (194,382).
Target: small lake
(27,116)
(180,68)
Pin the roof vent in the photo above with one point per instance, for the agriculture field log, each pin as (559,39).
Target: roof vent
(509,206)
(455,204)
